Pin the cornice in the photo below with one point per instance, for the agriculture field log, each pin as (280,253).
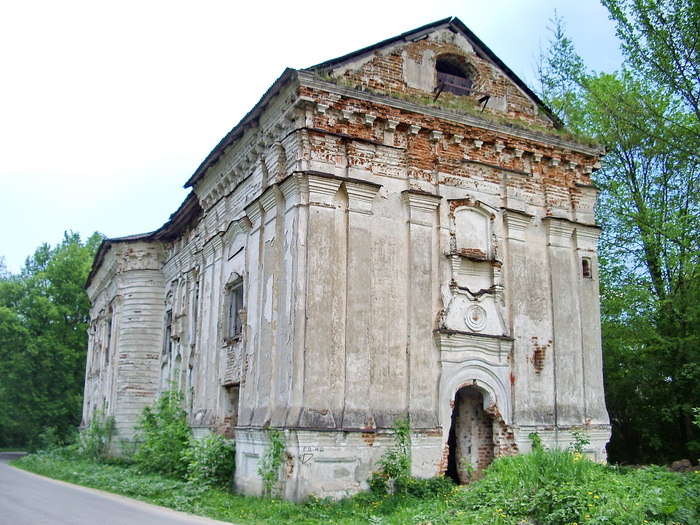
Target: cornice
(310,80)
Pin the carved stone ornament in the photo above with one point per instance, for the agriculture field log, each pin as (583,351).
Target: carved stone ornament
(475,318)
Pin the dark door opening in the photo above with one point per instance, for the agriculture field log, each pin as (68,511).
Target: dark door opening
(470,441)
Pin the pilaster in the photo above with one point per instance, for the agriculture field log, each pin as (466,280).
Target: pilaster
(422,285)
(358,344)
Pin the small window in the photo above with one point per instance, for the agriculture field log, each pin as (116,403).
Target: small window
(234,323)
(453,75)
(586,271)
(195,315)
(168,343)
(108,330)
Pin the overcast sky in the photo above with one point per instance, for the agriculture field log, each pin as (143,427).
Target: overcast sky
(107,108)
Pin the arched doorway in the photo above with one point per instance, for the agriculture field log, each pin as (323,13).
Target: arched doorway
(470,440)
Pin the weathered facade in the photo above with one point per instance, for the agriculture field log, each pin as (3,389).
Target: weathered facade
(397,233)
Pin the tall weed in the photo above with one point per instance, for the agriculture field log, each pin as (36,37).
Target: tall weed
(394,473)
(95,440)
(210,461)
(272,460)
(163,436)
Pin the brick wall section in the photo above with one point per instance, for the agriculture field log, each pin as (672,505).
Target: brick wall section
(384,74)
(503,436)
(541,171)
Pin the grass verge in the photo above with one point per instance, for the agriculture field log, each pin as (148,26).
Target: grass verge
(544,487)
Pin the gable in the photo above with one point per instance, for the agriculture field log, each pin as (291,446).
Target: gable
(445,65)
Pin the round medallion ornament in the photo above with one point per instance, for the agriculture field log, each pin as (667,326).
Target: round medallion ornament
(475,318)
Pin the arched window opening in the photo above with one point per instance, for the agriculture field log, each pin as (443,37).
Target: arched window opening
(454,75)
(586,270)
(168,341)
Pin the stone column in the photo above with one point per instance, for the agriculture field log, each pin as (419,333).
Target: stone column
(292,299)
(589,298)
(112,371)
(253,282)
(269,281)
(140,338)
(212,335)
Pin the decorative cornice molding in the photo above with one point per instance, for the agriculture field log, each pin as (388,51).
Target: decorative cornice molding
(294,190)
(212,246)
(421,206)
(308,79)
(322,190)
(559,232)
(360,196)
(254,211)
(454,341)
(517,223)
(586,237)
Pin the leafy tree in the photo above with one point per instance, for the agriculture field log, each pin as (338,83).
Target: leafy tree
(661,41)
(646,117)
(15,373)
(44,313)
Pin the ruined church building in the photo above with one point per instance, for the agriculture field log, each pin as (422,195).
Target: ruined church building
(401,232)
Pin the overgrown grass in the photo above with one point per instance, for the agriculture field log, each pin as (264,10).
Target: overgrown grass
(547,488)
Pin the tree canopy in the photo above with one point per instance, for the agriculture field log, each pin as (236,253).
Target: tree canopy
(646,116)
(44,314)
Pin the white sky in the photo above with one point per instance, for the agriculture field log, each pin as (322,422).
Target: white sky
(107,108)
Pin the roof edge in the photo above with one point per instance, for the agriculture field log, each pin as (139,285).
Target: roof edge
(408,35)
(216,153)
(176,224)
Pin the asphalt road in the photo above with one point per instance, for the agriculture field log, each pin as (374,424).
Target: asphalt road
(28,499)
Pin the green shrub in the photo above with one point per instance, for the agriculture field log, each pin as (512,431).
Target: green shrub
(439,486)
(163,436)
(395,464)
(210,461)
(394,473)
(96,439)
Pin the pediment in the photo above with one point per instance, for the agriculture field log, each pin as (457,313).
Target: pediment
(442,63)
